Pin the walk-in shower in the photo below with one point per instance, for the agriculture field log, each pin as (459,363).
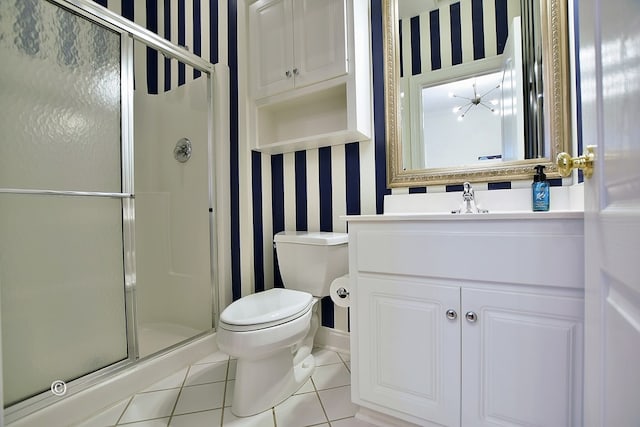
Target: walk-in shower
(106,239)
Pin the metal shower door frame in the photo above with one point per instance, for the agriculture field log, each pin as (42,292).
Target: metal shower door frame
(129,33)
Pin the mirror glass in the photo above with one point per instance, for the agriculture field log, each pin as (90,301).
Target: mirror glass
(465,85)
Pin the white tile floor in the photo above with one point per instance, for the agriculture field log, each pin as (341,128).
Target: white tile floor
(201,395)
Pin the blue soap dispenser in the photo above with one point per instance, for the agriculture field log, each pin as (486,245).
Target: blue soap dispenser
(540,190)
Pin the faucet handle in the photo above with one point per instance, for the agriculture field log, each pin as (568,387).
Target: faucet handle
(467,191)
(469,204)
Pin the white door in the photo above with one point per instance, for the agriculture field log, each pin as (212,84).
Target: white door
(271,47)
(320,40)
(411,375)
(521,358)
(610,78)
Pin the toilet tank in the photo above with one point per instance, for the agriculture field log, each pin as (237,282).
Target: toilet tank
(310,260)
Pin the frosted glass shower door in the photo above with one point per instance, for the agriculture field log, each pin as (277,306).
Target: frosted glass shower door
(61,198)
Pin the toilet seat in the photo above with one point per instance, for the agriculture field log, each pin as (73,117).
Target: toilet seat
(265,309)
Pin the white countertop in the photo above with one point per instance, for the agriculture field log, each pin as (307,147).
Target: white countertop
(491,216)
(567,202)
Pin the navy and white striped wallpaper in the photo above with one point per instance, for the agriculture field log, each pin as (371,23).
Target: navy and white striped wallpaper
(454,34)
(192,24)
(310,189)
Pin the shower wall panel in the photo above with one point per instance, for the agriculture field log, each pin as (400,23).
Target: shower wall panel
(174,295)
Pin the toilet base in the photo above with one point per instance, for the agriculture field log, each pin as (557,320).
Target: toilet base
(262,384)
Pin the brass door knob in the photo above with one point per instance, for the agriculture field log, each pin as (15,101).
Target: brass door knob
(585,162)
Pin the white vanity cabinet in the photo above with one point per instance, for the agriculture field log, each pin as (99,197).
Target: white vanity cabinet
(464,321)
(294,43)
(309,71)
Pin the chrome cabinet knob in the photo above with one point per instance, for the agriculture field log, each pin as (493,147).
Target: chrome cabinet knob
(295,71)
(451,314)
(287,73)
(471,316)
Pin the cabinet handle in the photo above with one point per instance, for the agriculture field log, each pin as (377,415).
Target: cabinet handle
(471,316)
(451,314)
(295,71)
(287,73)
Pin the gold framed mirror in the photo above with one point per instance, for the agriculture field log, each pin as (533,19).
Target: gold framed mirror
(553,111)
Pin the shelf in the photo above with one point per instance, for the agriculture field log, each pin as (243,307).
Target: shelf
(336,108)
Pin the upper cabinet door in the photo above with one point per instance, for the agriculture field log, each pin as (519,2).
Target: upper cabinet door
(271,47)
(320,40)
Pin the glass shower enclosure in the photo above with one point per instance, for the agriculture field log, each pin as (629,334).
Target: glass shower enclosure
(106,194)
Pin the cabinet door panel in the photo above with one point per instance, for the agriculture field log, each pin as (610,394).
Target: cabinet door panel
(409,350)
(271,47)
(521,362)
(320,40)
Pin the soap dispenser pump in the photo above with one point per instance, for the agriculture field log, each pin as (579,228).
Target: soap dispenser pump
(540,190)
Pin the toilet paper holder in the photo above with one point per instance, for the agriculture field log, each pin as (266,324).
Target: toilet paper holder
(342,292)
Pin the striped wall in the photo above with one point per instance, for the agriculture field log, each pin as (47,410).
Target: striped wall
(312,189)
(308,190)
(455,33)
(305,190)
(189,23)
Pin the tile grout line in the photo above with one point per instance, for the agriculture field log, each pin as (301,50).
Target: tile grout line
(124,410)
(182,385)
(324,411)
(175,405)
(224,391)
(344,362)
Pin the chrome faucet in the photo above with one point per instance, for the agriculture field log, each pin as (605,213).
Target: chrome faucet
(469,204)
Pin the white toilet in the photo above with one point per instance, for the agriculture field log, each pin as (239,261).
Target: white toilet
(271,332)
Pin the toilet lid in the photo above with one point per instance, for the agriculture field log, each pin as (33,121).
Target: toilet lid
(270,306)
(323,238)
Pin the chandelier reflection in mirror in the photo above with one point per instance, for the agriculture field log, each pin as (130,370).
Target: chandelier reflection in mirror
(477,138)
(478,100)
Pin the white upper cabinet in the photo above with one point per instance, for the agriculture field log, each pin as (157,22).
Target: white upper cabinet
(319,40)
(271,46)
(296,43)
(309,73)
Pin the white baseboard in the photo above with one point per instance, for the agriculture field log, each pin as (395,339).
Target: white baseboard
(332,339)
(381,420)
(73,409)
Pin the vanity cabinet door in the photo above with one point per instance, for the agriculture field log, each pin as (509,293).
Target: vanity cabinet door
(522,359)
(408,349)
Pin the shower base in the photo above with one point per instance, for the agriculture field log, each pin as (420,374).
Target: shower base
(157,336)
